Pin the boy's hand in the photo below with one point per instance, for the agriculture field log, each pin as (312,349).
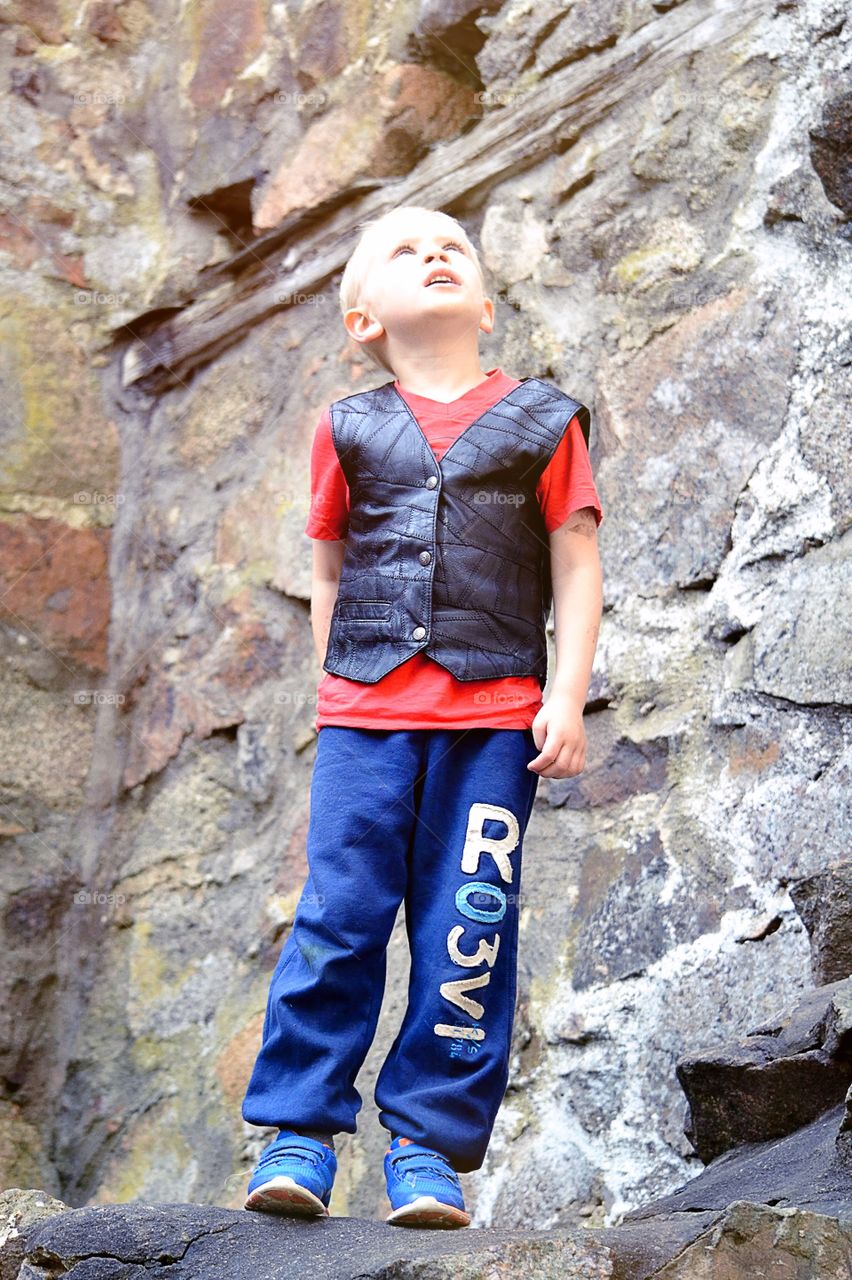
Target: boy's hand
(560,736)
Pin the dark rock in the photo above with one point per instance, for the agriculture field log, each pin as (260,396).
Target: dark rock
(628,931)
(203,1242)
(792,1196)
(824,901)
(617,768)
(781,1076)
(831,151)
(810,1169)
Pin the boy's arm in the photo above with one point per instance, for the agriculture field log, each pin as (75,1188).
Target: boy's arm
(325,580)
(577,602)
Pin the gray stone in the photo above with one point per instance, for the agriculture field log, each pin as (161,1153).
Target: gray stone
(803,640)
(677,444)
(197,1242)
(824,901)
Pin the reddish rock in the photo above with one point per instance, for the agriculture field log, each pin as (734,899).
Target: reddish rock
(234,1064)
(104,22)
(54,582)
(381,131)
(19,242)
(43,17)
(231,36)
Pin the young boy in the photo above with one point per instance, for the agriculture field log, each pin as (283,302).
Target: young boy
(448,507)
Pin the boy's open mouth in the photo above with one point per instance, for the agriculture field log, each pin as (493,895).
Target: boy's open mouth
(441,277)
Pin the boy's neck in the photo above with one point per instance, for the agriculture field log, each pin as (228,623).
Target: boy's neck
(440,380)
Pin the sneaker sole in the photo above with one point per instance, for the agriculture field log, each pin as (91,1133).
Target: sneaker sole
(426,1211)
(284,1195)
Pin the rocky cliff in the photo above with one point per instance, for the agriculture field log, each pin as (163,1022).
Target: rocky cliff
(661,192)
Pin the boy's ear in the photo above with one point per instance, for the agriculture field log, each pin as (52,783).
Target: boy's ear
(486,324)
(361,326)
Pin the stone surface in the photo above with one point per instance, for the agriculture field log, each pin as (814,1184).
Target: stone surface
(810,1169)
(780,1077)
(804,637)
(397,120)
(801,1246)
(188,1242)
(824,901)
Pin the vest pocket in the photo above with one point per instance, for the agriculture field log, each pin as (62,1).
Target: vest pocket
(363,610)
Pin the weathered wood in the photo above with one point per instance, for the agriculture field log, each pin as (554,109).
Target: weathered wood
(310,246)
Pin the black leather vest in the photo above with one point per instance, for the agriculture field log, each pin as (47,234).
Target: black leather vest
(450,558)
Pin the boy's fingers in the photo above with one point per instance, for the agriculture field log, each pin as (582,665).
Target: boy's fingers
(566,762)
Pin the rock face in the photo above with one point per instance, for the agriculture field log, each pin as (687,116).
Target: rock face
(824,901)
(660,192)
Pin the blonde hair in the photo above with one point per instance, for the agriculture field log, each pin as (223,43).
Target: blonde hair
(358,266)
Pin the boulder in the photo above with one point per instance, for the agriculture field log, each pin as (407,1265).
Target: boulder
(782,1075)
(203,1242)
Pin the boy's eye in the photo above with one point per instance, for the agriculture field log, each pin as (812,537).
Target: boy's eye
(451,244)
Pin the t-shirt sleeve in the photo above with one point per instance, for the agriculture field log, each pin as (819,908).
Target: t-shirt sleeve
(328,517)
(566,484)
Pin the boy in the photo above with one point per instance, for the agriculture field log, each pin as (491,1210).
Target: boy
(447,507)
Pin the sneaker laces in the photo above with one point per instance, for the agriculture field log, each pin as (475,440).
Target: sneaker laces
(291,1150)
(451,1177)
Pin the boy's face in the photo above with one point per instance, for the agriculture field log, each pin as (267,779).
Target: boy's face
(401,297)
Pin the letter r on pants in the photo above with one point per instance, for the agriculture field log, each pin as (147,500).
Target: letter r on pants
(475,843)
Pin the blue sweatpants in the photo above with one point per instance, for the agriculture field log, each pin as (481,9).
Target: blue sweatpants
(435,818)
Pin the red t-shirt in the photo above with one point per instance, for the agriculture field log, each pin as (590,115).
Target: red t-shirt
(420,693)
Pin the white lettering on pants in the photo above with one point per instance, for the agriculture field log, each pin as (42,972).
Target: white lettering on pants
(475,845)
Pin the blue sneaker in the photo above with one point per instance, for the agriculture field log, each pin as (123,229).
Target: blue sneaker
(423,1187)
(293,1176)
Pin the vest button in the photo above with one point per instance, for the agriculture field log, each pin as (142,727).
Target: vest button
(418,633)
(431,482)
(425,557)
